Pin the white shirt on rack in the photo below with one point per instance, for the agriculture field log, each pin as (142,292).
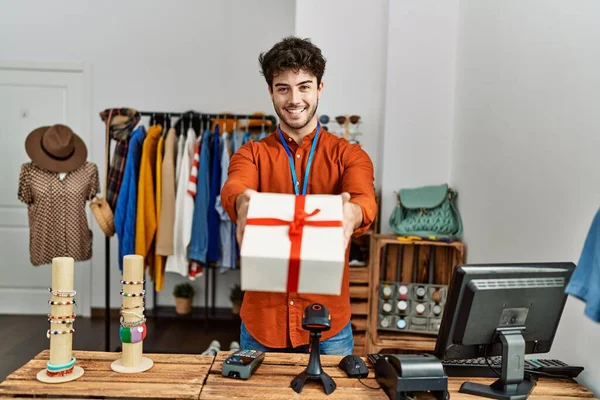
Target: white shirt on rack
(184,211)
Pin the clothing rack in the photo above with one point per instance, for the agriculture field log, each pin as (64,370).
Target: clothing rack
(210,272)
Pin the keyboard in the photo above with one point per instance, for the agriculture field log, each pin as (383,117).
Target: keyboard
(477,367)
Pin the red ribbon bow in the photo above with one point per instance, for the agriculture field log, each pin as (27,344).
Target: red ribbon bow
(295,234)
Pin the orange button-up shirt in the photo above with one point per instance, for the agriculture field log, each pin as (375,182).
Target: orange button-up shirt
(275,319)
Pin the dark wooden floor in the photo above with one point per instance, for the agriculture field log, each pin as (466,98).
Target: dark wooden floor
(22,337)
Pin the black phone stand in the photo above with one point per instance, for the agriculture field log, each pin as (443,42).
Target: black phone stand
(314,371)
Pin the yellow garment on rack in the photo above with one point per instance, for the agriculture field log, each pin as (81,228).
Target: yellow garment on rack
(145,225)
(159,265)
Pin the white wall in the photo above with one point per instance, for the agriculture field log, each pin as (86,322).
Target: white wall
(152,55)
(352,36)
(419,101)
(527,140)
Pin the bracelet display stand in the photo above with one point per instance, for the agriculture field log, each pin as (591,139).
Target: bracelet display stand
(61,366)
(133,323)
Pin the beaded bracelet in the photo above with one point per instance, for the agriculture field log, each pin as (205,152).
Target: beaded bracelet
(72,316)
(49,332)
(62,303)
(61,321)
(133,282)
(55,368)
(124,294)
(60,373)
(58,293)
(134,307)
(132,335)
(132,324)
(139,314)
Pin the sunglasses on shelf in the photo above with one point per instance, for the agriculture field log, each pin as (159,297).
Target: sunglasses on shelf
(341,119)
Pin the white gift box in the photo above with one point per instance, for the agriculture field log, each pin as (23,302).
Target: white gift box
(266,262)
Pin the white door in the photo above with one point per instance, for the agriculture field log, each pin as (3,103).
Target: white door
(33,95)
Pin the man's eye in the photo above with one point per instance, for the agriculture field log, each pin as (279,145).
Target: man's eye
(282,90)
(304,87)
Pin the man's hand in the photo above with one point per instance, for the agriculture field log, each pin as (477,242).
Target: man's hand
(352,218)
(241,207)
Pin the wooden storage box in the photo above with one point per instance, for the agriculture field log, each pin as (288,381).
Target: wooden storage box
(408,262)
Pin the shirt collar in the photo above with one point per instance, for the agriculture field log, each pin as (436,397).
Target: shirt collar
(306,140)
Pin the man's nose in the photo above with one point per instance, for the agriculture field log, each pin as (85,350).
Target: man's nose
(295,96)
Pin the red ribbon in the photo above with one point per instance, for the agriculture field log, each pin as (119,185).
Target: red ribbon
(295,235)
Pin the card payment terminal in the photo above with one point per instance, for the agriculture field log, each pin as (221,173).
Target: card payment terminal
(242,363)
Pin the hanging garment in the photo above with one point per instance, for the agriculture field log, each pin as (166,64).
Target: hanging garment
(164,233)
(226,226)
(199,242)
(184,210)
(262,135)
(145,226)
(126,210)
(585,281)
(159,261)
(119,130)
(214,239)
(246,137)
(56,209)
(179,158)
(193,181)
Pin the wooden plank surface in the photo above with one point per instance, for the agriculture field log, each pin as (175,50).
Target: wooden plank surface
(359,275)
(172,376)
(359,292)
(272,380)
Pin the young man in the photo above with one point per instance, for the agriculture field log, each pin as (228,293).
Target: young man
(293,69)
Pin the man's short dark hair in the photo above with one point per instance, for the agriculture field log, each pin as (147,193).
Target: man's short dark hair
(292,53)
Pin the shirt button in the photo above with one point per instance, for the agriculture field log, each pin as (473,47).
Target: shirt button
(297,183)
(290,139)
(291,303)
(297,155)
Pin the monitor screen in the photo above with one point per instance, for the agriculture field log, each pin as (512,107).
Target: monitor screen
(485,299)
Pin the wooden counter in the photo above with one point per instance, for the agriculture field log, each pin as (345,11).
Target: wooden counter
(272,380)
(172,376)
(195,376)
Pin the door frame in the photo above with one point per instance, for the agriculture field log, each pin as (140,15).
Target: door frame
(84,299)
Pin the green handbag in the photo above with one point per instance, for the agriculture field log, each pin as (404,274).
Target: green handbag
(427,211)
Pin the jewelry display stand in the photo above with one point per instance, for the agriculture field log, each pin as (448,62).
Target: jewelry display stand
(61,366)
(133,323)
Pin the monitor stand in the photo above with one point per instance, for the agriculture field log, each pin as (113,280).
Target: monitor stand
(511,385)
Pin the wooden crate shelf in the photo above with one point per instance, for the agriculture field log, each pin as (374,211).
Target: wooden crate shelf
(359,275)
(415,256)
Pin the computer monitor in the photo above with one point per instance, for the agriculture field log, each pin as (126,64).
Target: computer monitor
(503,309)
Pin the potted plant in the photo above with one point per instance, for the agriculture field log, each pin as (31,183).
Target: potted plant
(236,297)
(184,294)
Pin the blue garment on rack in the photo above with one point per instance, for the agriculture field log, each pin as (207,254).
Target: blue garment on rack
(199,241)
(234,144)
(126,208)
(246,137)
(214,240)
(262,135)
(585,282)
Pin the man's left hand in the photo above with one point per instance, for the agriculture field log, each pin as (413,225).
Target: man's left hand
(352,218)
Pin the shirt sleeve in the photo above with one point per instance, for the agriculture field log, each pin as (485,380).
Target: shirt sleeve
(242,175)
(358,180)
(24,192)
(94,183)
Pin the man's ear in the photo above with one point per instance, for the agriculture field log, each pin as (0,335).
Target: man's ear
(320,89)
(270,90)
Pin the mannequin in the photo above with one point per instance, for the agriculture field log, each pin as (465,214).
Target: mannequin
(56,185)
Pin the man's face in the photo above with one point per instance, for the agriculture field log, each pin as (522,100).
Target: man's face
(295,97)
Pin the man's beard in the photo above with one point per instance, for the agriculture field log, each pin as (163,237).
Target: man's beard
(297,124)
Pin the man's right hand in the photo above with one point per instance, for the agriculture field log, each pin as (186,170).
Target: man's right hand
(241,207)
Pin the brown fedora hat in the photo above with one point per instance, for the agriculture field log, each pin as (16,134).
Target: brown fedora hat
(56,148)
